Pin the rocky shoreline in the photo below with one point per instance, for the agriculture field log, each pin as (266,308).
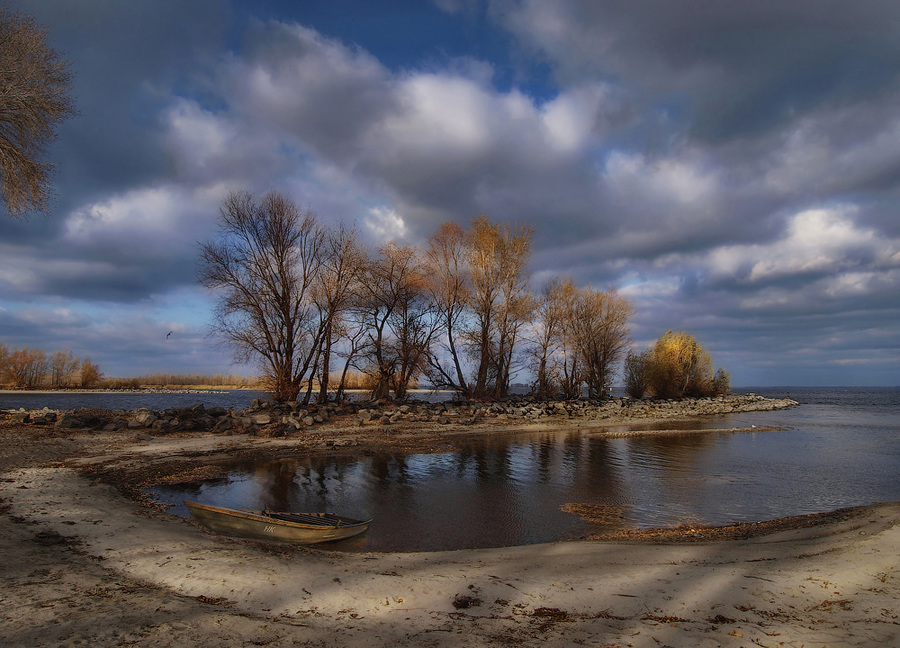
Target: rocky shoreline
(264,418)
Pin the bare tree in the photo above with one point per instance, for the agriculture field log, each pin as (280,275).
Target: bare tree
(516,304)
(399,334)
(338,287)
(63,366)
(568,360)
(636,373)
(448,286)
(413,328)
(354,333)
(484,250)
(263,266)
(34,86)
(551,325)
(600,330)
(499,301)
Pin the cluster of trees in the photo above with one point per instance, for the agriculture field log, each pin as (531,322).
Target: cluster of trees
(459,312)
(674,367)
(580,335)
(32,368)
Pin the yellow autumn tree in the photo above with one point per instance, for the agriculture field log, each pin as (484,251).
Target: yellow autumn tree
(679,366)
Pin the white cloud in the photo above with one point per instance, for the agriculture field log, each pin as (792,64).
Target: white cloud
(385,224)
(823,240)
(199,141)
(440,113)
(651,289)
(677,181)
(148,221)
(294,83)
(574,118)
(145,210)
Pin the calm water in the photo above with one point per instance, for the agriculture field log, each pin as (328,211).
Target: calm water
(229,399)
(841,448)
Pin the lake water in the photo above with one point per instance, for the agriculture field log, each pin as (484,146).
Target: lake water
(157,401)
(840,448)
(236,399)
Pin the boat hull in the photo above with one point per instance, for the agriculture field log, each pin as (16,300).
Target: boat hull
(265,526)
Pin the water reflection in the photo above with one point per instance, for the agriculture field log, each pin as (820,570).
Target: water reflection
(510,490)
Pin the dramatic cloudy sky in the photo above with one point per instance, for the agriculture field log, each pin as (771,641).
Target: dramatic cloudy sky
(732,167)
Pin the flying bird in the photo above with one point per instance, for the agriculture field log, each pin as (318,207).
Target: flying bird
(168,334)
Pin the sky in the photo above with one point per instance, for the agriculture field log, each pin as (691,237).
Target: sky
(733,168)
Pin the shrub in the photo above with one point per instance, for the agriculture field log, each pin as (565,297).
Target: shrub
(679,366)
(721,382)
(637,378)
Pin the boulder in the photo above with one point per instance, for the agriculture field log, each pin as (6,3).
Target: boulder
(68,421)
(144,417)
(19,417)
(225,425)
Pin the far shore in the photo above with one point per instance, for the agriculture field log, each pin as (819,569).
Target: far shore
(138,390)
(86,560)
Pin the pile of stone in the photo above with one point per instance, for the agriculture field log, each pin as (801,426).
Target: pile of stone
(275,419)
(528,409)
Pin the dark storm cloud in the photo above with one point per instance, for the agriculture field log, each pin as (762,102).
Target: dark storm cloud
(311,88)
(127,59)
(733,67)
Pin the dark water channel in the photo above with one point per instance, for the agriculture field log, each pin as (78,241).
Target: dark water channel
(509,491)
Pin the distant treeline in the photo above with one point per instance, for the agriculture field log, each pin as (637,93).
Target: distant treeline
(36,369)
(185,380)
(353,380)
(33,368)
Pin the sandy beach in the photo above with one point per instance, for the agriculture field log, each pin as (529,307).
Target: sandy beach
(85,565)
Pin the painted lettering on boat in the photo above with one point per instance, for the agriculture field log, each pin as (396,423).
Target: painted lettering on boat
(269,529)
